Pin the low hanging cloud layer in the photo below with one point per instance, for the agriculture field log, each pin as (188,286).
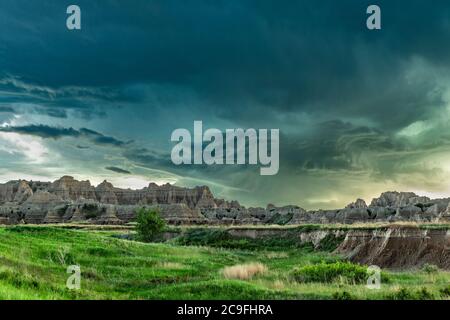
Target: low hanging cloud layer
(118,170)
(44,131)
(359,111)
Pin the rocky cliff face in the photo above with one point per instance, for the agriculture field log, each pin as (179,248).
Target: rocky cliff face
(393,247)
(398,199)
(398,247)
(70,200)
(389,207)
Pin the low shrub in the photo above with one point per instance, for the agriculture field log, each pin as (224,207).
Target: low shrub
(62,256)
(30,229)
(330,272)
(99,251)
(222,239)
(17,279)
(424,294)
(430,268)
(408,294)
(445,292)
(330,242)
(343,295)
(401,294)
(204,236)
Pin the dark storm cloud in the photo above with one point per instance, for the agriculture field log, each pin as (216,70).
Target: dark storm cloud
(25,96)
(118,170)
(148,158)
(330,146)
(339,94)
(99,138)
(56,113)
(294,56)
(279,47)
(6,109)
(338,146)
(290,45)
(45,131)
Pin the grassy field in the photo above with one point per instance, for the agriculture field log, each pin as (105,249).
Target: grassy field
(34,259)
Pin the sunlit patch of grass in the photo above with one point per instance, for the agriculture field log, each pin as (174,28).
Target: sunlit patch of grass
(276,255)
(244,271)
(170,265)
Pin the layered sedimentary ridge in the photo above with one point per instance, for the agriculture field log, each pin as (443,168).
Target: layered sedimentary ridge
(398,247)
(70,200)
(393,246)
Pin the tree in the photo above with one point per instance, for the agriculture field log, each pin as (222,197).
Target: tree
(149,224)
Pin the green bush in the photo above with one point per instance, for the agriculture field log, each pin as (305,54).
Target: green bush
(91,211)
(330,272)
(205,236)
(445,292)
(407,294)
(424,294)
(343,295)
(99,251)
(401,294)
(149,224)
(18,279)
(220,238)
(430,268)
(330,242)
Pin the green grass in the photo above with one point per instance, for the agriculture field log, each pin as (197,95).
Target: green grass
(33,263)
(330,272)
(220,238)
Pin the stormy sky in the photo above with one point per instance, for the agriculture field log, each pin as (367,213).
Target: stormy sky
(359,111)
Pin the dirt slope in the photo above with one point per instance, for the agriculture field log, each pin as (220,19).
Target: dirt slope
(398,247)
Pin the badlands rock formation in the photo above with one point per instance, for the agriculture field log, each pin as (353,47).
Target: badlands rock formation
(393,247)
(68,200)
(398,247)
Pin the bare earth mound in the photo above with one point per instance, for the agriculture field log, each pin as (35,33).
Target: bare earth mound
(398,247)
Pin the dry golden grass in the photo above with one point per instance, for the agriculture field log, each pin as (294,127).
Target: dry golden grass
(277,255)
(171,265)
(278,285)
(244,271)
